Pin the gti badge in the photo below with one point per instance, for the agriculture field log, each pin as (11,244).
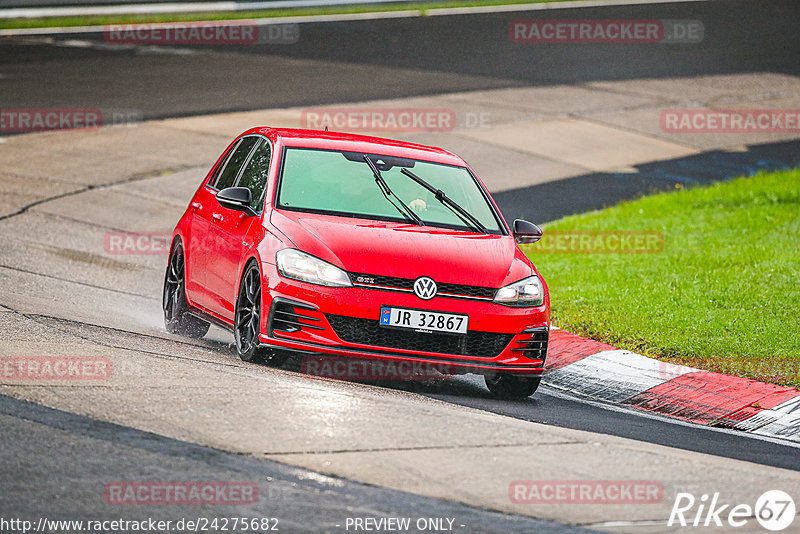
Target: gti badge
(425,288)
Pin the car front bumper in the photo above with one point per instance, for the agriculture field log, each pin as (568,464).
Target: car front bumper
(344,321)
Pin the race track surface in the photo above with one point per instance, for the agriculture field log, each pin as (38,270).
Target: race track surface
(321,451)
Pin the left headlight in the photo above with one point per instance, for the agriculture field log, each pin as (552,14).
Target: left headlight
(307,268)
(528,292)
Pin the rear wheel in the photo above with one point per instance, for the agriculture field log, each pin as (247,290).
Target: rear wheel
(177,319)
(247,321)
(511,387)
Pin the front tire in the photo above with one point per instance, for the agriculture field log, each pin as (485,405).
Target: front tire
(247,321)
(177,318)
(511,387)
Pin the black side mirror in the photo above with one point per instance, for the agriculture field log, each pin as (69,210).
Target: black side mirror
(236,198)
(526,232)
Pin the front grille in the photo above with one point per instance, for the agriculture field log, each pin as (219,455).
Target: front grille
(535,347)
(369,332)
(378,280)
(470,291)
(408,284)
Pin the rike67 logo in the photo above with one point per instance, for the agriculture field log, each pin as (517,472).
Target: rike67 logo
(774,510)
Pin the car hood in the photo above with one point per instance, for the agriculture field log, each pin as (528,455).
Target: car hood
(405,250)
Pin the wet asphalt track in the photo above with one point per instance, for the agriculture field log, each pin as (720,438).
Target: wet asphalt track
(339,62)
(301,501)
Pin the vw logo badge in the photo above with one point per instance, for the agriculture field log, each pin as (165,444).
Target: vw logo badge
(425,288)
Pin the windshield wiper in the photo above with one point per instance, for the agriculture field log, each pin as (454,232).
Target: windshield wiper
(407,212)
(440,195)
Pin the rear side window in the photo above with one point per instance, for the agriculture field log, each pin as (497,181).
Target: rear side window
(218,169)
(228,175)
(256,173)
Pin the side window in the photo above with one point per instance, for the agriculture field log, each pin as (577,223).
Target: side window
(228,175)
(218,169)
(255,174)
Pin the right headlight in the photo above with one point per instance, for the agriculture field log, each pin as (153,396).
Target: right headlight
(528,292)
(301,266)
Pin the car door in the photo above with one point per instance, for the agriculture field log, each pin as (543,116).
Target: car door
(197,241)
(205,248)
(236,232)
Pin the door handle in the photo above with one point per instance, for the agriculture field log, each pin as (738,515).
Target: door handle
(217,217)
(196,206)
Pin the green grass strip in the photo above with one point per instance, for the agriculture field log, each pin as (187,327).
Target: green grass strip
(722,293)
(101,20)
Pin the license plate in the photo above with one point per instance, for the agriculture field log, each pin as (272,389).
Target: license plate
(424,321)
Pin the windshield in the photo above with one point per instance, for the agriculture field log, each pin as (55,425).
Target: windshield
(342,183)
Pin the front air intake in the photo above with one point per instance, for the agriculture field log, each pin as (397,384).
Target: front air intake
(287,316)
(369,332)
(534,347)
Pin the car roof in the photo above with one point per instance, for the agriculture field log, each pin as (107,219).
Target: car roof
(357,143)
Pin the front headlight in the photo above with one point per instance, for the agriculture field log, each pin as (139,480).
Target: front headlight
(305,267)
(528,292)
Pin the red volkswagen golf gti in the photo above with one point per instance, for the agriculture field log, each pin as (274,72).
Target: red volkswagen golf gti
(328,243)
